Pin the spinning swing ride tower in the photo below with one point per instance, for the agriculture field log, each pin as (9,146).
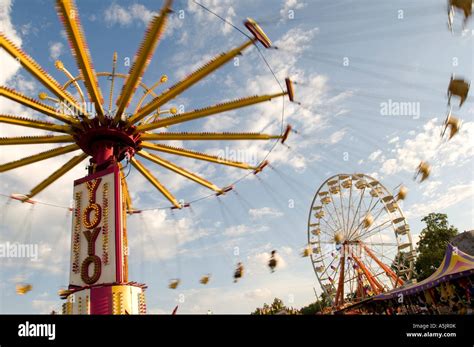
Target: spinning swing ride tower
(99,281)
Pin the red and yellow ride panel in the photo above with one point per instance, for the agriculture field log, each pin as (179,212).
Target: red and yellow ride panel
(97,244)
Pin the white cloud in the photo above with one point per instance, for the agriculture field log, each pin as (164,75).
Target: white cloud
(258,263)
(427,146)
(55,49)
(431,188)
(290,5)
(45,306)
(259,293)
(337,136)
(223,8)
(162,235)
(374,155)
(242,229)
(394,140)
(116,14)
(442,200)
(137,13)
(9,65)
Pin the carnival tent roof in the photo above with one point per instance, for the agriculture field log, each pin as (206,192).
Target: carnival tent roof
(454,265)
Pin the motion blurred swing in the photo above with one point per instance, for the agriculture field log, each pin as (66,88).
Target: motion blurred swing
(464,6)
(458,87)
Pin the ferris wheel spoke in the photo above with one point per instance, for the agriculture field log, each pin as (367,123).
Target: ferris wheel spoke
(57,174)
(328,235)
(69,15)
(143,56)
(35,105)
(327,267)
(349,203)
(33,123)
(208,111)
(337,214)
(381,243)
(375,219)
(38,157)
(354,231)
(33,140)
(170,136)
(329,226)
(179,170)
(196,155)
(162,189)
(36,70)
(375,229)
(357,210)
(332,218)
(355,214)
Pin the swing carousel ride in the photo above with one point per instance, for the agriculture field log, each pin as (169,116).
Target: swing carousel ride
(99,270)
(358,239)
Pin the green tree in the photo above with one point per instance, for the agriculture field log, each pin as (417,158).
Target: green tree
(277,307)
(316,306)
(432,245)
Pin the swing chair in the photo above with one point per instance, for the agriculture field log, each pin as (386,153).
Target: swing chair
(458,87)
(423,170)
(464,6)
(451,126)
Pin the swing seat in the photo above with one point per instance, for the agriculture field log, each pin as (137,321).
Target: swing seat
(465,6)
(174,284)
(272,263)
(361,184)
(239,272)
(306,252)
(452,124)
(334,190)
(402,193)
(205,279)
(459,88)
(424,170)
(22,289)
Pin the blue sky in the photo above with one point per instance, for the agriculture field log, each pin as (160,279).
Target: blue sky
(347,57)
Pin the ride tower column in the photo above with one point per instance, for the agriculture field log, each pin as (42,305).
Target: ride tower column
(98,280)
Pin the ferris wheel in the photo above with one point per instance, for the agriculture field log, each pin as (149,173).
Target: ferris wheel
(359,241)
